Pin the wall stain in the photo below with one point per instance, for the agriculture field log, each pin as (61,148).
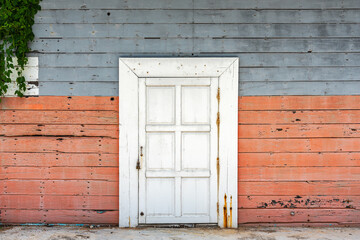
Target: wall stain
(298,202)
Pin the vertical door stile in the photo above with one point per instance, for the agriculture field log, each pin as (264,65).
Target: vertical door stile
(142,143)
(214,149)
(178,134)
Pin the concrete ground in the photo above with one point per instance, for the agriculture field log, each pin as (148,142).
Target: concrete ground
(269,233)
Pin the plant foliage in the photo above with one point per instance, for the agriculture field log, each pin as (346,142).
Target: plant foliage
(16,21)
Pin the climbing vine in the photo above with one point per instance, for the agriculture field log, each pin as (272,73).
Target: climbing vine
(16,21)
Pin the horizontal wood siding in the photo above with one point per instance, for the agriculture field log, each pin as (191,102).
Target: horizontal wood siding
(285,47)
(59,160)
(59,168)
(299,160)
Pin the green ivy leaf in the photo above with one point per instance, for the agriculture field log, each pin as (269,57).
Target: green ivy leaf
(16,21)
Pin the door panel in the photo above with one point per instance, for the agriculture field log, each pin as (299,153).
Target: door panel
(160,150)
(178,149)
(160,105)
(160,196)
(195,196)
(195,105)
(195,150)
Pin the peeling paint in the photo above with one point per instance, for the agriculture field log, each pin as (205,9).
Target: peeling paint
(218,151)
(299,202)
(230,217)
(225,212)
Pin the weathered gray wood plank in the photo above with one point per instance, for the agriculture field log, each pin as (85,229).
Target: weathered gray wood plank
(117,4)
(277,45)
(276,16)
(113,30)
(246,60)
(277,4)
(196,30)
(174,46)
(304,74)
(245,88)
(199,4)
(114,16)
(110,45)
(300,60)
(276,30)
(76,74)
(79,88)
(298,88)
(75,60)
(300,74)
(198,16)
(63,4)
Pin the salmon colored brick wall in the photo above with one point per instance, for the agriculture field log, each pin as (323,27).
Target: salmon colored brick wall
(299,160)
(59,160)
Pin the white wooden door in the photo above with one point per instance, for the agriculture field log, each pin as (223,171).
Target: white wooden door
(177,150)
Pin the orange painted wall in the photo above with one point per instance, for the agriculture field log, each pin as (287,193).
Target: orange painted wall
(299,160)
(59,160)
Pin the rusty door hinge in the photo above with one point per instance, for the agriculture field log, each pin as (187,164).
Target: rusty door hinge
(138,165)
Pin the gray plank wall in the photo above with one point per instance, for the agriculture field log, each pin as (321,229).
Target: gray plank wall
(285,47)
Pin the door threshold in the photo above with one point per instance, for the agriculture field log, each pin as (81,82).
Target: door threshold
(179,225)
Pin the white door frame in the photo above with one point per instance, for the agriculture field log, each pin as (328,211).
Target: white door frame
(130,70)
